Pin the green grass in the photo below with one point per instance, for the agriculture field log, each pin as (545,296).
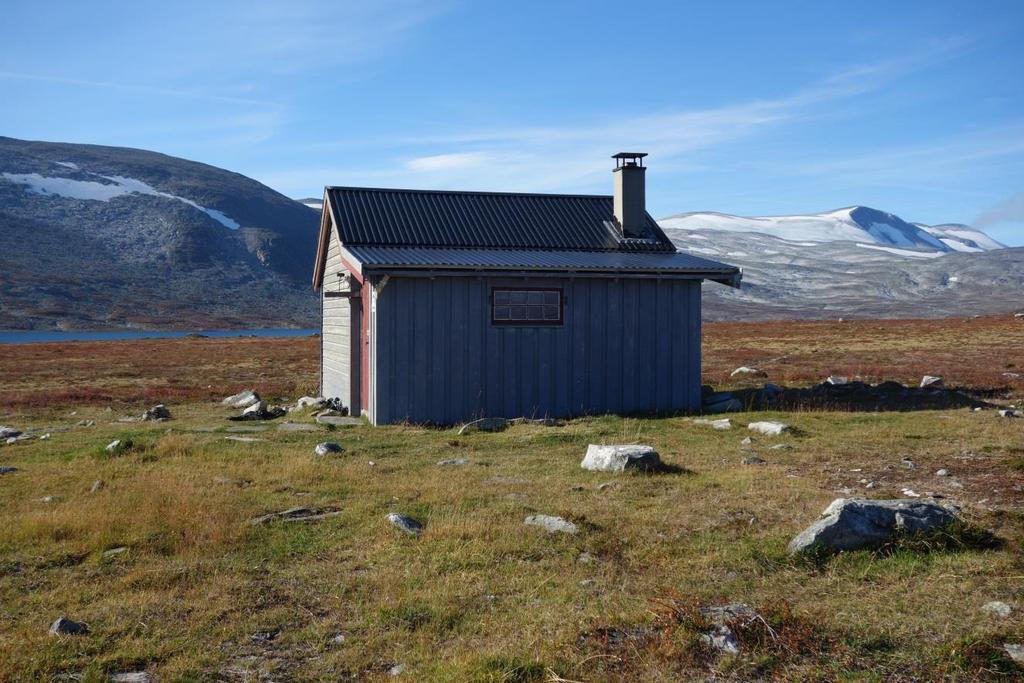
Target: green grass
(480,596)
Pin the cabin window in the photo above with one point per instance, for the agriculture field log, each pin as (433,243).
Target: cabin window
(526,306)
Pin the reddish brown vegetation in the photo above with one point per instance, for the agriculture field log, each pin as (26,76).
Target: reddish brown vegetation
(972,353)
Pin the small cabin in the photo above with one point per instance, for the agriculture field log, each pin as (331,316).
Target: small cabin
(442,307)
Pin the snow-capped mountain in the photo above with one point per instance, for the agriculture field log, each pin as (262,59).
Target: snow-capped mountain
(858,224)
(852,262)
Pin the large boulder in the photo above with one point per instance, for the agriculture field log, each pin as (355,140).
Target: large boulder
(620,458)
(769,428)
(856,523)
(552,524)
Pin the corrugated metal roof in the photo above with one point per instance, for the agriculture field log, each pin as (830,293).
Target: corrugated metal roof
(412,258)
(426,218)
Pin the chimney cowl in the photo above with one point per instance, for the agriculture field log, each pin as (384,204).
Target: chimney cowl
(629,200)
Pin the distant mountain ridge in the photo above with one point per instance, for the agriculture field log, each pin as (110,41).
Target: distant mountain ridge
(859,224)
(94,237)
(851,262)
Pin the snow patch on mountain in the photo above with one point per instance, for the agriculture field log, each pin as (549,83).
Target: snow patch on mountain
(902,252)
(92,190)
(857,224)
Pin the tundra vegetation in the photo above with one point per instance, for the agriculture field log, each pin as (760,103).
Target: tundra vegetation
(163,563)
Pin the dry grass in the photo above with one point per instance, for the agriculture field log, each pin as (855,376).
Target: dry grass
(203,595)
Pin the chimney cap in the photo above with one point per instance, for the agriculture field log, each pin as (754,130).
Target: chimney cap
(629,158)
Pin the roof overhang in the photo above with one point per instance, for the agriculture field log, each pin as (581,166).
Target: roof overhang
(432,262)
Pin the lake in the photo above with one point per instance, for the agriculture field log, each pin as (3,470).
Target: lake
(36,336)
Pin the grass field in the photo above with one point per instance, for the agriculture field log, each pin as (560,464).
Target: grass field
(201,594)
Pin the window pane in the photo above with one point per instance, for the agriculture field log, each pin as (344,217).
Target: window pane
(502,313)
(535,298)
(518,313)
(535,312)
(500,297)
(551,298)
(517,297)
(551,312)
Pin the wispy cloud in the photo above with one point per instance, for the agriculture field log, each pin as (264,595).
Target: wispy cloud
(572,157)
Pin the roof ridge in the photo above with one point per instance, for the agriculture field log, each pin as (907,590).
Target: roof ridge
(467,192)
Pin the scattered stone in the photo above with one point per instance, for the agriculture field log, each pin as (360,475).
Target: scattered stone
(397,670)
(942,473)
(769,428)
(45,436)
(243,439)
(406,524)
(585,558)
(722,638)
(748,372)
(723,423)
(49,499)
(746,441)
(97,486)
(296,515)
(997,608)
(65,627)
(309,402)
(242,399)
(620,458)
(837,380)
(246,429)
(552,524)
(781,447)
(339,639)
(856,523)
(339,420)
(297,427)
(132,677)
(754,460)
(485,424)
(114,552)
(6,469)
(265,635)
(910,493)
(118,446)
(157,413)
(931,382)
(327,448)
(85,423)
(453,461)
(1015,651)
(1009,412)
(9,433)
(908,463)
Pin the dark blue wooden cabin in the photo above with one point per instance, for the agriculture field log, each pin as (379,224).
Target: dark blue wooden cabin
(441,307)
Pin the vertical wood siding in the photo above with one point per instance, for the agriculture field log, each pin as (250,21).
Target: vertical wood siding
(336,338)
(626,346)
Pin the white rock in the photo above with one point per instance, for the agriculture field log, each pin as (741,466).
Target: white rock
(314,402)
(327,448)
(748,372)
(931,381)
(552,524)
(118,446)
(837,380)
(723,423)
(242,399)
(1015,651)
(769,428)
(131,677)
(1009,412)
(997,609)
(942,473)
(406,524)
(620,458)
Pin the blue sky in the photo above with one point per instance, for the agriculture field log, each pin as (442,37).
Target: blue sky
(748,108)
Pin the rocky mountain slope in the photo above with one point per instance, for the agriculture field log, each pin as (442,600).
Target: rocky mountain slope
(94,237)
(855,262)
